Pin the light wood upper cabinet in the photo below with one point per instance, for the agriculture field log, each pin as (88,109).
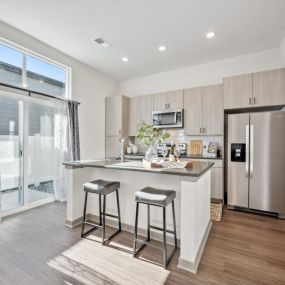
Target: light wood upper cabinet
(134,114)
(213,110)
(175,99)
(116,115)
(160,101)
(238,91)
(146,108)
(168,100)
(269,88)
(193,118)
(112,146)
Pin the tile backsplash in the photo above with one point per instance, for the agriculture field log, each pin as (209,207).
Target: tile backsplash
(178,136)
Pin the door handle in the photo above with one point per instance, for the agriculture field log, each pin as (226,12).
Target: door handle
(247,151)
(251,150)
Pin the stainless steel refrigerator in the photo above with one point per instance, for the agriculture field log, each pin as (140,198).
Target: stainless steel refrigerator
(256,161)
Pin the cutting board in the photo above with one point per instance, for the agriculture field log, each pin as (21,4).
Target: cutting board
(196,147)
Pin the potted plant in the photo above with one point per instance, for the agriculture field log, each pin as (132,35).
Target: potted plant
(151,136)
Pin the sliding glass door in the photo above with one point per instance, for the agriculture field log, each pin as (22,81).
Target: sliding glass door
(40,152)
(26,151)
(11,153)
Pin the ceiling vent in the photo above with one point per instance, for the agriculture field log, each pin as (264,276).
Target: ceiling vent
(103,43)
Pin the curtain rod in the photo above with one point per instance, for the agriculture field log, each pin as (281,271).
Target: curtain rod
(35,92)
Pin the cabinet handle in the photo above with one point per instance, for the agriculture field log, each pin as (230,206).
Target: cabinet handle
(200,130)
(204,130)
(249,101)
(254,101)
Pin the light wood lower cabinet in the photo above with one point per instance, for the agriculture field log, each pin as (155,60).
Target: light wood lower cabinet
(217,178)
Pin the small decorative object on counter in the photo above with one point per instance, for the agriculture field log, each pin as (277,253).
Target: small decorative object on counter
(151,136)
(171,152)
(135,149)
(129,150)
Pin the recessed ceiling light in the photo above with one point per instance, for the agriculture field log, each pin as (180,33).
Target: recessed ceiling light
(162,48)
(210,35)
(125,59)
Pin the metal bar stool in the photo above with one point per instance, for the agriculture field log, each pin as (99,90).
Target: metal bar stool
(159,198)
(102,188)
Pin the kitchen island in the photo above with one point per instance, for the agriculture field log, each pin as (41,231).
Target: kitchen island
(192,186)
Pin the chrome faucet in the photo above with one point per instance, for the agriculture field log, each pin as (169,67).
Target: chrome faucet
(122,148)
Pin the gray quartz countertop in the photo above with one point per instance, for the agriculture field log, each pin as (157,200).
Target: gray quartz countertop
(198,167)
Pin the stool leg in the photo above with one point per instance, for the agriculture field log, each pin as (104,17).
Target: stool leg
(148,223)
(118,206)
(104,215)
(164,239)
(174,223)
(100,210)
(84,213)
(136,230)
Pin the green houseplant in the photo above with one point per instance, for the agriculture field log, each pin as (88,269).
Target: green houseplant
(151,136)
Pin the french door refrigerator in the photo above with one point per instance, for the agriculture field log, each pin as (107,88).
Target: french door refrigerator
(256,161)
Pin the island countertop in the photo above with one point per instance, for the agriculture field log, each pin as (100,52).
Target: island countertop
(198,167)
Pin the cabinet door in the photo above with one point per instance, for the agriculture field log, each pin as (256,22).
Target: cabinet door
(146,108)
(193,100)
(175,99)
(134,115)
(160,102)
(238,91)
(217,185)
(213,110)
(269,88)
(113,115)
(112,146)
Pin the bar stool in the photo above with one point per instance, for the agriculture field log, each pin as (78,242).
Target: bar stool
(102,188)
(159,198)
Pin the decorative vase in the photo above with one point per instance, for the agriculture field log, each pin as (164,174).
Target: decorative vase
(151,153)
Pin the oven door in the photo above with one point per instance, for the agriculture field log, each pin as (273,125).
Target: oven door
(168,119)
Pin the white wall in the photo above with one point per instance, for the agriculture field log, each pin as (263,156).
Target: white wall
(203,74)
(89,87)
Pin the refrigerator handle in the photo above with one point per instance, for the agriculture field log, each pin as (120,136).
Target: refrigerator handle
(247,151)
(251,150)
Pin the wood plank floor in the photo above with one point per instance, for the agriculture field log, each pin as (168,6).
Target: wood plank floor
(243,249)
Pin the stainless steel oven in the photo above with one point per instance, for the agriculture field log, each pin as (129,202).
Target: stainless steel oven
(168,119)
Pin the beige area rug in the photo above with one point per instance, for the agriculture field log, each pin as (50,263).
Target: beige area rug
(91,263)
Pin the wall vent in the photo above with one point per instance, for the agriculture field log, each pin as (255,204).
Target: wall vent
(102,43)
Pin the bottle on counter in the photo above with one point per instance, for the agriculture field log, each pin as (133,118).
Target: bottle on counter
(171,152)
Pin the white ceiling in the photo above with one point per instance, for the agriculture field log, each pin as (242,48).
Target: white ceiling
(136,27)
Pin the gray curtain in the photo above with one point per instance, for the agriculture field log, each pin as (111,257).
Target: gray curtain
(66,143)
(74,129)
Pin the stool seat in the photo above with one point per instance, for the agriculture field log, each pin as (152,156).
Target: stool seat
(153,196)
(102,187)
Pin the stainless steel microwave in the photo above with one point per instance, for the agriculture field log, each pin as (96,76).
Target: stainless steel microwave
(168,119)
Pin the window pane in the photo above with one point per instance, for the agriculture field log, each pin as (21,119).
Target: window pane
(45,77)
(11,65)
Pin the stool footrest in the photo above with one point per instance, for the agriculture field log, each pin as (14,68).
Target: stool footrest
(110,215)
(161,229)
